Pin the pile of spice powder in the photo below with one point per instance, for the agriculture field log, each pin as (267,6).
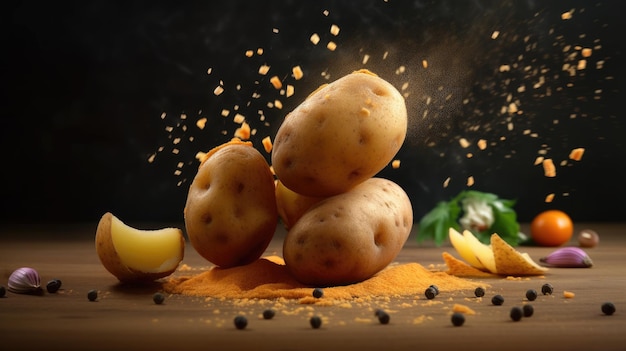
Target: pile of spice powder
(269,278)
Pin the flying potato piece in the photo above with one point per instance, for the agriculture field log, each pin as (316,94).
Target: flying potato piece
(512,262)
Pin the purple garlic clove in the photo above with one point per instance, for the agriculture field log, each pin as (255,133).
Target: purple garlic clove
(25,280)
(568,257)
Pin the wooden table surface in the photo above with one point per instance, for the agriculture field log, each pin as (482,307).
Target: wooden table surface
(127,319)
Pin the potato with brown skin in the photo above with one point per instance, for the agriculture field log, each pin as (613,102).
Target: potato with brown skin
(291,205)
(230,213)
(348,238)
(344,133)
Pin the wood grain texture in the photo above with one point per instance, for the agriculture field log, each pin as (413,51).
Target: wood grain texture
(126,318)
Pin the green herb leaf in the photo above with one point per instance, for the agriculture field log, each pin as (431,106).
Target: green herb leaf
(505,222)
(436,223)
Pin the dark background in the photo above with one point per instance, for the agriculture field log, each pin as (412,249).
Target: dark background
(90,89)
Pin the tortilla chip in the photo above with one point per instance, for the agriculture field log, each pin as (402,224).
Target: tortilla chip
(459,268)
(509,261)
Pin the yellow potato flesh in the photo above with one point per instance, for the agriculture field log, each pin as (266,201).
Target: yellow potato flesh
(149,251)
(464,249)
(483,252)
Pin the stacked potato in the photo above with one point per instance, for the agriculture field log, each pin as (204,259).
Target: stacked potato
(344,224)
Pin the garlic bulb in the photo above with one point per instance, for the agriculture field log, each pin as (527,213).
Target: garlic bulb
(25,280)
(477,214)
(568,257)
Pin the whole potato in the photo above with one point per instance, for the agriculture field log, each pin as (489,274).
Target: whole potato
(291,205)
(342,134)
(230,213)
(348,238)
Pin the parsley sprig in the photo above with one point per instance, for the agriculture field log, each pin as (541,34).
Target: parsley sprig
(435,224)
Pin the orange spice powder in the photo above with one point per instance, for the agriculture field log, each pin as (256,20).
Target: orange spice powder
(268,278)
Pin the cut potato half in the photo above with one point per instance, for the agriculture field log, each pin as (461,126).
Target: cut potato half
(132,254)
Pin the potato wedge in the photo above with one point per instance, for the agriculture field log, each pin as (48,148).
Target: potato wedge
(134,255)
(459,268)
(509,261)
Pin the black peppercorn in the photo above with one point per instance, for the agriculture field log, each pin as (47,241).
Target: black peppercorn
(479,292)
(528,310)
(92,295)
(3,291)
(608,308)
(268,313)
(516,313)
(436,288)
(458,319)
(497,300)
(53,286)
(531,294)
(383,317)
(547,289)
(430,293)
(318,293)
(158,298)
(316,322)
(241,322)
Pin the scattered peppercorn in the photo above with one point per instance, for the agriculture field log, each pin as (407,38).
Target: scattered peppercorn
(430,293)
(318,293)
(316,322)
(53,286)
(458,319)
(92,295)
(158,298)
(608,308)
(528,310)
(547,289)
(497,300)
(383,317)
(241,322)
(436,288)
(531,294)
(516,313)
(479,292)
(3,291)
(268,313)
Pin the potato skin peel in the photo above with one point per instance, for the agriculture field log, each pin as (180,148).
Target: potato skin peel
(348,238)
(344,133)
(230,213)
